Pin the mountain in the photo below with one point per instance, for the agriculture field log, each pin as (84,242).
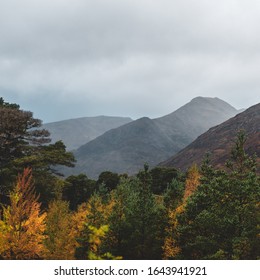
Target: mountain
(194,118)
(219,140)
(127,148)
(76,132)
(123,150)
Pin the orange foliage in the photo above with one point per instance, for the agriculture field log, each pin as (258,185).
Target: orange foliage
(23,225)
(192,181)
(170,249)
(60,241)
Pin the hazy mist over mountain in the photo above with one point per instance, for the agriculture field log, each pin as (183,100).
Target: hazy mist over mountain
(125,149)
(218,141)
(76,132)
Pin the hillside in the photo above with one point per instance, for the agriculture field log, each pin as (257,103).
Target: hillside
(219,140)
(127,148)
(77,132)
(194,118)
(123,149)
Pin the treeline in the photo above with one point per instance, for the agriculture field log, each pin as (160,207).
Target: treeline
(206,213)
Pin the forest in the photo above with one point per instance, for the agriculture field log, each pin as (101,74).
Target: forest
(159,213)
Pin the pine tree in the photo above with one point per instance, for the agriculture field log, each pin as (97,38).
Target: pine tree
(174,203)
(78,189)
(116,242)
(144,220)
(24,144)
(221,219)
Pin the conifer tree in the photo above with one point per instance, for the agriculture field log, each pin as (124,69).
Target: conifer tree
(22,226)
(90,243)
(60,241)
(221,219)
(116,241)
(92,215)
(23,144)
(192,181)
(174,202)
(144,220)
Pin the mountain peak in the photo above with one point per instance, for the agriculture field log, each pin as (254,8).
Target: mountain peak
(205,98)
(195,117)
(125,149)
(219,139)
(210,101)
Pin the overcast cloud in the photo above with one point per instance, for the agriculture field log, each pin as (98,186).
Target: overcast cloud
(72,58)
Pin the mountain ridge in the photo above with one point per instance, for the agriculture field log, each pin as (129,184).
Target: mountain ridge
(128,147)
(219,139)
(78,131)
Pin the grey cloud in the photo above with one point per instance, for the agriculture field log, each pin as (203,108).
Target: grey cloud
(128,57)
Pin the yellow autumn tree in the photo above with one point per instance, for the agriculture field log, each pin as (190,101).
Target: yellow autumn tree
(192,181)
(94,212)
(22,225)
(91,220)
(98,210)
(60,241)
(170,247)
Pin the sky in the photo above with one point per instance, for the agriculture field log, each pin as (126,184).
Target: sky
(65,59)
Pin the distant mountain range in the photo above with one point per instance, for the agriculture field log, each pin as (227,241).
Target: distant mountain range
(219,140)
(76,132)
(126,148)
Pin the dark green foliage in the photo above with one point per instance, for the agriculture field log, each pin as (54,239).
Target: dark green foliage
(221,219)
(117,242)
(23,144)
(18,134)
(128,216)
(78,189)
(137,221)
(109,180)
(161,177)
(173,194)
(8,105)
(18,139)
(145,223)
(81,252)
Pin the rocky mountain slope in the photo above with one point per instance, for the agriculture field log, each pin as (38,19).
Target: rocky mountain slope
(219,139)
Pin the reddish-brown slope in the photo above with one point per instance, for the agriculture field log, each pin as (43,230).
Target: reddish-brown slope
(219,140)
